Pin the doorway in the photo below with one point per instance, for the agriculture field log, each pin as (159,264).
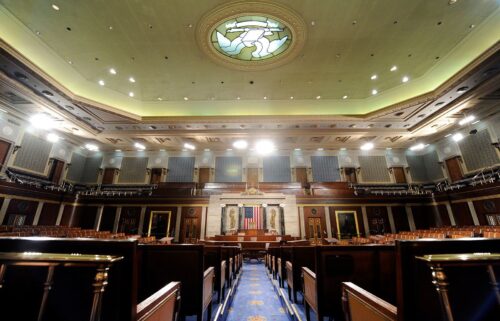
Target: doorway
(190,230)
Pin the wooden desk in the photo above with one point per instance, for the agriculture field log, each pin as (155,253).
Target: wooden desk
(102,263)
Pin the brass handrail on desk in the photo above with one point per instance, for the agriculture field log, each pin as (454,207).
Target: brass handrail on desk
(102,263)
(437,263)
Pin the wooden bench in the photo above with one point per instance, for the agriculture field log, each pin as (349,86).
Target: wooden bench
(300,256)
(71,295)
(160,264)
(361,305)
(213,257)
(371,266)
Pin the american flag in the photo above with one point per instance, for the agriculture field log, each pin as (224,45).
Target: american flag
(253,218)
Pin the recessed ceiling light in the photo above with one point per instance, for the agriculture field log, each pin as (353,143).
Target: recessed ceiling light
(297,149)
(238,98)
(55,7)
(118,150)
(388,148)
(318,97)
(265,97)
(466,120)
(110,27)
(373,77)
(159,98)
(92,147)
(70,62)
(394,68)
(291,97)
(131,79)
(112,71)
(457,137)
(374,91)
(101,82)
(344,97)
(139,146)
(321,149)
(405,79)
(53,138)
(264,147)
(42,121)
(131,94)
(240,144)
(185,98)
(475,122)
(448,135)
(343,148)
(418,147)
(367,146)
(313,23)
(189,146)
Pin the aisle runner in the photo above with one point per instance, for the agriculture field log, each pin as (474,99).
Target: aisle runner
(255,299)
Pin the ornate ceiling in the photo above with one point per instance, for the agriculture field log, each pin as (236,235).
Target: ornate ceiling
(320,96)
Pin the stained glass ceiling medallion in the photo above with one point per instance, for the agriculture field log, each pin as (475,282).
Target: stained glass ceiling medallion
(251,35)
(251,38)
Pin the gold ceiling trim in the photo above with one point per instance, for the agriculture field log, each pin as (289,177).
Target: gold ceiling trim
(214,18)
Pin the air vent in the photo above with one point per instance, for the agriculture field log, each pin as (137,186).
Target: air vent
(342,139)
(317,139)
(47,93)
(20,76)
(213,139)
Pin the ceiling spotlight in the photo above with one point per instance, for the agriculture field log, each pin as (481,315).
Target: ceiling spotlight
(265,97)
(373,77)
(118,150)
(112,71)
(475,122)
(388,148)
(447,135)
(53,138)
(344,97)
(457,137)
(321,149)
(131,94)
(238,98)
(318,97)
(240,144)
(367,146)
(139,146)
(42,121)
(405,79)
(466,120)
(92,147)
(131,79)
(189,146)
(264,147)
(343,148)
(374,91)
(55,7)
(394,68)
(291,97)
(101,82)
(185,98)
(418,147)
(159,99)
(297,149)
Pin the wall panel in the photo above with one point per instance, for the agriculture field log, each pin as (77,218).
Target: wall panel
(374,169)
(276,169)
(133,170)
(49,213)
(477,151)
(462,214)
(325,168)
(228,169)
(34,154)
(180,169)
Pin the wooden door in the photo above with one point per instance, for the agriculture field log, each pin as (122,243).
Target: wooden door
(4,151)
(399,175)
(156,174)
(190,230)
(301,175)
(314,230)
(350,175)
(454,169)
(252,177)
(204,176)
(56,171)
(108,176)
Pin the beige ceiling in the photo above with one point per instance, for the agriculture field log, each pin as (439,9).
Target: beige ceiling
(347,41)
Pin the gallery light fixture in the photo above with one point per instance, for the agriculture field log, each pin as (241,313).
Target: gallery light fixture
(405,79)
(131,94)
(92,147)
(101,82)
(394,68)
(53,138)
(240,144)
(139,146)
(264,147)
(457,137)
(367,146)
(42,121)
(374,91)
(419,146)
(55,7)
(466,120)
(189,146)
(112,71)
(373,77)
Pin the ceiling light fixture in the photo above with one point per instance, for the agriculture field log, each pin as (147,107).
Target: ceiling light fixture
(92,147)
(55,7)
(419,146)
(475,122)
(131,79)
(240,144)
(373,77)
(394,68)
(131,94)
(264,147)
(457,137)
(185,98)
(367,146)
(53,138)
(447,135)
(374,91)
(238,98)
(160,99)
(139,146)
(466,120)
(321,149)
(118,150)
(265,97)
(112,71)
(101,82)
(318,97)
(189,146)
(405,79)
(291,97)
(344,97)
(42,121)
(343,148)
(297,149)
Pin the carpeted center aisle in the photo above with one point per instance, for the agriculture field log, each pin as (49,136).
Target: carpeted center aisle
(255,298)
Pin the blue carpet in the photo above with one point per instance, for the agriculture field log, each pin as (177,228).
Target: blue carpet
(255,298)
(301,309)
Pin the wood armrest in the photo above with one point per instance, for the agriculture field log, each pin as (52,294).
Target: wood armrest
(208,286)
(309,289)
(360,304)
(163,304)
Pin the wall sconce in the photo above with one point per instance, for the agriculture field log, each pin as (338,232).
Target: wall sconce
(148,171)
(16,148)
(68,166)
(497,145)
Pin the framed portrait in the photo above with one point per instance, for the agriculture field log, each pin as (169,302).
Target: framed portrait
(159,223)
(347,224)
